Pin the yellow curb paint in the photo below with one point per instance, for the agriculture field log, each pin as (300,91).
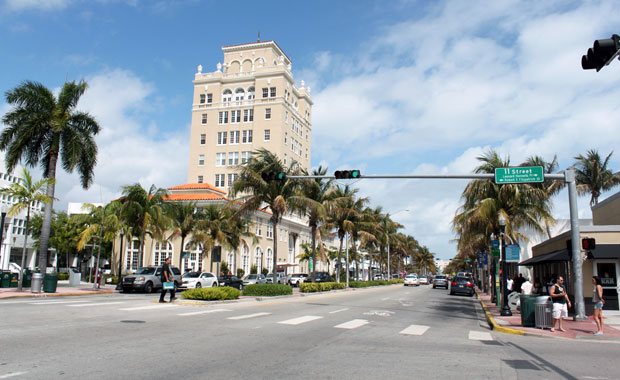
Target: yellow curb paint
(494,325)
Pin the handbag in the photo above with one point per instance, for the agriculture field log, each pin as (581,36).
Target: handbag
(169,285)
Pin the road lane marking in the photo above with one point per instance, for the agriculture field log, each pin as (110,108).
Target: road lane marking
(300,320)
(339,310)
(12,375)
(385,299)
(247,316)
(204,312)
(415,330)
(53,302)
(480,335)
(148,307)
(352,324)
(380,313)
(96,304)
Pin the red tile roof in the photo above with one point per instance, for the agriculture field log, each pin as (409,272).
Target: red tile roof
(195,197)
(196,186)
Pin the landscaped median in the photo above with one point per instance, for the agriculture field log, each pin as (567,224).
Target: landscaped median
(312,287)
(212,294)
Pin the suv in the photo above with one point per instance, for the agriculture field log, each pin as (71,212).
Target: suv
(297,279)
(280,278)
(148,279)
(319,277)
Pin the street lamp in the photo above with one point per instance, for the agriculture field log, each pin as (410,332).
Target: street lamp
(505,312)
(388,247)
(3,210)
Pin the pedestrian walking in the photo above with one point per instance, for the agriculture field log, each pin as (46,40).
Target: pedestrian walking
(597,298)
(509,284)
(526,287)
(560,299)
(166,276)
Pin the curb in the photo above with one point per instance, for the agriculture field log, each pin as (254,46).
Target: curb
(495,327)
(42,294)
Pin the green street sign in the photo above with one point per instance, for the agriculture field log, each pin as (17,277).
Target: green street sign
(184,254)
(495,252)
(521,174)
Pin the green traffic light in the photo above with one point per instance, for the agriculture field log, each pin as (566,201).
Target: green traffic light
(355,173)
(281,175)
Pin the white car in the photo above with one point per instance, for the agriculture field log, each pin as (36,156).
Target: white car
(424,280)
(411,279)
(199,280)
(297,279)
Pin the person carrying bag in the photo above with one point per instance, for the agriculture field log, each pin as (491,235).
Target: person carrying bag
(167,281)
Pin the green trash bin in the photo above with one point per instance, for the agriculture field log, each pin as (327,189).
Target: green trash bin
(14,280)
(50,281)
(27,278)
(528,316)
(5,279)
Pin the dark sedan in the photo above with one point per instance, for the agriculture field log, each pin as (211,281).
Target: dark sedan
(440,281)
(319,277)
(232,281)
(462,285)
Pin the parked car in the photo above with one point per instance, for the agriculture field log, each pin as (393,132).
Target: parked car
(199,280)
(280,278)
(251,279)
(297,279)
(461,285)
(440,281)
(148,279)
(232,281)
(411,279)
(423,280)
(378,277)
(319,277)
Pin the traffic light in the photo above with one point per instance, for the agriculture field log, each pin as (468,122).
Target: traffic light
(601,53)
(588,244)
(347,174)
(273,176)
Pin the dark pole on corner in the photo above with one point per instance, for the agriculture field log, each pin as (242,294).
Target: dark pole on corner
(505,312)
(119,285)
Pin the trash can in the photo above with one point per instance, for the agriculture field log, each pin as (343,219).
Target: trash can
(37,281)
(544,312)
(50,282)
(74,277)
(5,279)
(14,280)
(528,314)
(27,280)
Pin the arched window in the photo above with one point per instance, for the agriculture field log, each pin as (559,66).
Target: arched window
(258,259)
(251,93)
(239,95)
(161,252)
(245,259)
(230,260)
(226,96)
(269,260)
(131,253)
(193,261)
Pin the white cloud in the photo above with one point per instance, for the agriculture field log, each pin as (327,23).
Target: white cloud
(38,5)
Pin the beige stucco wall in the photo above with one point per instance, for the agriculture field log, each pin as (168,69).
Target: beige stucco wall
(607,212)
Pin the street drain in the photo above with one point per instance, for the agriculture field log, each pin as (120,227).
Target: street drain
(132,321)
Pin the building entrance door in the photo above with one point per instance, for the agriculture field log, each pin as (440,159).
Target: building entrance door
(607,271)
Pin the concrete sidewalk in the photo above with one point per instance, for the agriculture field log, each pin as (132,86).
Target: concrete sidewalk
(574,329)
(63,289)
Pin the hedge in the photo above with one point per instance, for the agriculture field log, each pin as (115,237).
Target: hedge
(267,290)
(63,276)
(212,294)
(311,287)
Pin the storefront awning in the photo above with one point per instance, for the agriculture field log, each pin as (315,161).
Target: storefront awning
(605,251)
(555,256)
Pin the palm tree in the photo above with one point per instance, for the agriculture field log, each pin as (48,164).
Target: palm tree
(184,223)
(593,176)
(42,128)
(317,194)
(340,216)
(551,187)
(217,225)
(143,213)
(256,193)
(26,192)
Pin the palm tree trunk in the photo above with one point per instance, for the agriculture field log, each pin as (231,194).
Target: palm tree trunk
(21,274)
(181,254)
(275,250)
(47,216)
(339,261)
(313,251)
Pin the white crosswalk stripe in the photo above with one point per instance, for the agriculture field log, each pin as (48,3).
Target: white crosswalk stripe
(247,316)
(352,324)
(339,310)
(164,306)
(95,304)
(203,312)
(480,335)
(53,302)
(415,330)
(300,320)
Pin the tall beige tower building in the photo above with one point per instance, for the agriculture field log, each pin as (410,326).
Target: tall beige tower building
(251,101)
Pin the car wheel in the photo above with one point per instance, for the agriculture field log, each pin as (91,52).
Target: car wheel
(434,287)
(148,288)
(198,285)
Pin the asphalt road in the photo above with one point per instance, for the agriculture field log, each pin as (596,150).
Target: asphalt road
(386,332)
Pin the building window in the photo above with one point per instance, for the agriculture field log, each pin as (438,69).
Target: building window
(132,252)
(267,113)
(258,259)
(221,138)
(231,179)
(285,136)
(239,95)
(162,252)
(234,137)
(267,134)
(203,139)
(202,98)
(272,92)
(245,157)
(227,96)
(259,227)
(233,158)
(251,93)
(223,119)
(247,137)
(269,262)
(284,159)
(245,259)
(219,180)
(209,98)
(200,179)
(220,159)
(248,116)
(204,118)
(269,231)
(235,116)
(201,160)
(265,92)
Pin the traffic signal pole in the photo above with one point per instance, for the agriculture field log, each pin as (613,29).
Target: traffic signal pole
(568,177)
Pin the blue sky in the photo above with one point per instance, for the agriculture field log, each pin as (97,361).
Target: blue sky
(399,87)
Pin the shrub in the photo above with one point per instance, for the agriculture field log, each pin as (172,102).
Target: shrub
(397,281)
(212,294)
(267,290)
(63,276)
(240,272)
(312,287)
(309,287)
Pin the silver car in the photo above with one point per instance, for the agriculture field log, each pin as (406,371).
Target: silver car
(252,279)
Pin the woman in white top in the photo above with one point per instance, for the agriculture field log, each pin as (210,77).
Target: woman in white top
(597,298)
